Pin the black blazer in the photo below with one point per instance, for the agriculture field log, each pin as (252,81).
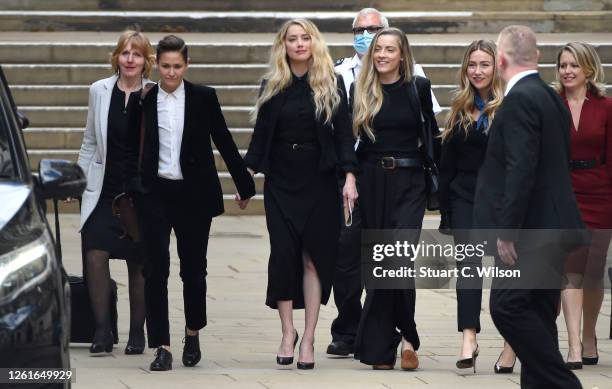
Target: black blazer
(524,182)
(335,139)
(203,120)
(460,161)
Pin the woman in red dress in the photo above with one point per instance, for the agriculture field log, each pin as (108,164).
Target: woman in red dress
(579,76)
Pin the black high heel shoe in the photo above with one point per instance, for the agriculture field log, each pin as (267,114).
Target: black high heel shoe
(103,344)
(575,365)
(288,360)
(135,344)
(467,363)
(306,365)
(591,360)
(499,369)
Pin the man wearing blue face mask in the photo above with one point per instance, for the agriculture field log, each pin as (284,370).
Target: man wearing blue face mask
(347,277)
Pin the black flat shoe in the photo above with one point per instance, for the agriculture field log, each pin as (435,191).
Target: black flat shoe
(467,363)
(499,369)
(191,350)
(162,361)
(102,345)
(340,348)
(287,360)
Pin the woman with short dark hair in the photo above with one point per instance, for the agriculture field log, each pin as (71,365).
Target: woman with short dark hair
(184,194)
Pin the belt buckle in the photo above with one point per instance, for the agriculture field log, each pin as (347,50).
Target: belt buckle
(384,160)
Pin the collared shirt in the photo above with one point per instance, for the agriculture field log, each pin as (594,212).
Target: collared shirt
(516,78)
(170,120)
(349,69)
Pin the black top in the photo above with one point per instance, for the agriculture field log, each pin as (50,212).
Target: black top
(396,125)
(120,158)
(296,119)
(461,158)
(334,138)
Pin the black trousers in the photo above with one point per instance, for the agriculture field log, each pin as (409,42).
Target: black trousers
(469,289)
(391,200)
(526,319)
(168,208)
(347,279)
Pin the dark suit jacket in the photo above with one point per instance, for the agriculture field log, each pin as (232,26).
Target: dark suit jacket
(335,139)
(203,120)
(524,182)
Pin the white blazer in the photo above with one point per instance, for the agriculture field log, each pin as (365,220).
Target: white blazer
(92,156)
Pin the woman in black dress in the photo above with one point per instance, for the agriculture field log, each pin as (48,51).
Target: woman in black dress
(464,143)
(108,160)
(393,192)
(302,132)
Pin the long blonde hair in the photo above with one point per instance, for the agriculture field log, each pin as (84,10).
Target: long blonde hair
(463,100)
(368,94)
(589,62)
(321,76)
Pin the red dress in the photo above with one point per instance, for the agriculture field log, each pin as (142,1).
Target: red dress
(593,186)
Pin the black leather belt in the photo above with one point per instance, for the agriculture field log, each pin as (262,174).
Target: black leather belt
(578,164)
(300,146)
(392,163)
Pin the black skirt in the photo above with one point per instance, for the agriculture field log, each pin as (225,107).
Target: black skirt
(389,199)
(102,231)
(302,206)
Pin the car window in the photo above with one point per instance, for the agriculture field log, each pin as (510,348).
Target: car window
(7,165)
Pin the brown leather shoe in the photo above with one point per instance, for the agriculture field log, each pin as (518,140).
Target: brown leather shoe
(410,361)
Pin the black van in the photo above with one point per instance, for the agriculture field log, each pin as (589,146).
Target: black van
(34,291)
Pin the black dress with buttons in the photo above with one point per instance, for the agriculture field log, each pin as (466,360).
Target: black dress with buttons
(102,230)
(301,201)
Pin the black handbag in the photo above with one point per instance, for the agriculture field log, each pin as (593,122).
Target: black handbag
(123,204)
(428,128)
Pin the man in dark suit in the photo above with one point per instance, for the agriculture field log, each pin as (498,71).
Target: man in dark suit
(184,194)
(524,184)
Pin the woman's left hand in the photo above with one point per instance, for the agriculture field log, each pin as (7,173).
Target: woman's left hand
(242,204)
(349,192)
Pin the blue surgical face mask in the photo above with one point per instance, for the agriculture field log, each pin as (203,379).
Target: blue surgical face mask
(362,42)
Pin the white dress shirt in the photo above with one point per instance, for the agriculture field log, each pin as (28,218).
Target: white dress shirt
(170,120)
(516,78)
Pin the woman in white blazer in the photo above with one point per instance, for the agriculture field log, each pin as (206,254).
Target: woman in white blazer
(113,118)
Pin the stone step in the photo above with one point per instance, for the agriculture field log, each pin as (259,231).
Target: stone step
(77,95)
(255,207)
(327,21)
(208,74)
(58,138)
(255,48)
(65,116)
(235,117)
(35,155)
(313,5)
